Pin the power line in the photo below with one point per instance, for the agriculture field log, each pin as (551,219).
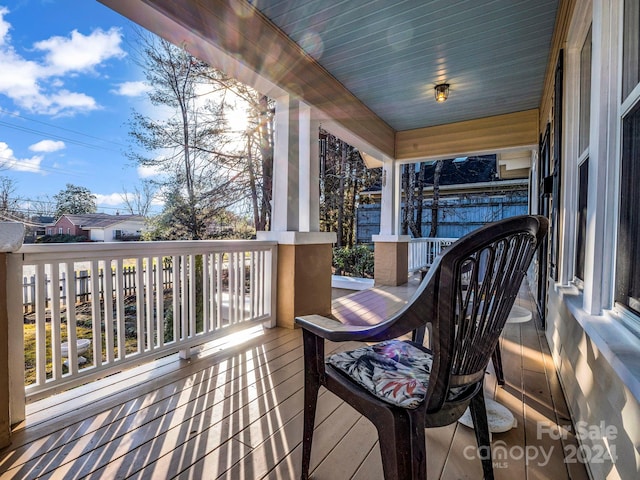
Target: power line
(76,132)
(9,162)
(58,137)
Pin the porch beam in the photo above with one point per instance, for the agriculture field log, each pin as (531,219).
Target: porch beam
(488,134)
(237,39)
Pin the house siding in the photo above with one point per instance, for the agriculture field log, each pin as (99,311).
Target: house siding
(595,393)
(68,228)
(593,348)
(456,216)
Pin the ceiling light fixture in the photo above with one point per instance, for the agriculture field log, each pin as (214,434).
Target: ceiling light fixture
(441,92)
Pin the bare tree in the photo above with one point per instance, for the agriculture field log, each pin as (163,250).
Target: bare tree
(8,202)
(436,198)
(139,201)
(342,177)
(256,160)
(186,146)
(42,206)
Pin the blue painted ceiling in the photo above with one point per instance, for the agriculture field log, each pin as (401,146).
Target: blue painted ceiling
(390,54)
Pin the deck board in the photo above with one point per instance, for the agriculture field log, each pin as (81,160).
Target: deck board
(236,413)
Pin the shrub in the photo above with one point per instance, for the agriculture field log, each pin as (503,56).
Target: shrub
(61,238)
(354,262)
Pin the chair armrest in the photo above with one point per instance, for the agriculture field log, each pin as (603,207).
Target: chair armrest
(332,330)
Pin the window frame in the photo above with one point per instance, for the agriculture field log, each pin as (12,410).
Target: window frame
(626,106)
(583,144)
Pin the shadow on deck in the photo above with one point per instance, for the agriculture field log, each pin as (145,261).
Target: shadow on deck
(234,410)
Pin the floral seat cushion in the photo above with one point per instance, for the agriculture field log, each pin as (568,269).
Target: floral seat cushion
(394,371)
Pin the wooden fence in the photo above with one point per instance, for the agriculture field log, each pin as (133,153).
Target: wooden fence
(83,285)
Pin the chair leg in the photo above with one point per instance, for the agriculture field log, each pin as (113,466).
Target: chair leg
(314,357)
(481,427)
(496,358)
(311,388)
(402,447)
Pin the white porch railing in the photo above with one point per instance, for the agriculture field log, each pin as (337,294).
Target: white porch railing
(183,293)
(423,251)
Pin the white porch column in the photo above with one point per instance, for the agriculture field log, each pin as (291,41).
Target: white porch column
(286,163)
(390,201)
(304,253)
(12,399)
(309,213)
(391,255)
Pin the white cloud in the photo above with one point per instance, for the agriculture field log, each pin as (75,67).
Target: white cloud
(9,161)
(111,199)
(80,53)
(38,85)
(131,89)
(149,171)
(64,100)
(47,146)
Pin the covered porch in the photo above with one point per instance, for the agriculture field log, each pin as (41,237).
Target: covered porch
(234,410)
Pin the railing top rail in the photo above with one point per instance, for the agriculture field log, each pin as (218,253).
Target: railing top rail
(99,250)
(433,239)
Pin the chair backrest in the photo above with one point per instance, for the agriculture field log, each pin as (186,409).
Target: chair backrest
(478,279)
(466,298)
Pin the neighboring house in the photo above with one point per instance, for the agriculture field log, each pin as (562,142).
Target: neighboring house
(36,227)
(474,190)
(99,227)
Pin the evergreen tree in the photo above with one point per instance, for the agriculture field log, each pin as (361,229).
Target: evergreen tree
(75,200)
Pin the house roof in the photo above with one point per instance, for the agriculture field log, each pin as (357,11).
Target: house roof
(99,220)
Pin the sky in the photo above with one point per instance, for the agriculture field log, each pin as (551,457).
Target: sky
(68,84)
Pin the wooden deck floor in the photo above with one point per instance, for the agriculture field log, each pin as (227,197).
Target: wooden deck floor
(235,413)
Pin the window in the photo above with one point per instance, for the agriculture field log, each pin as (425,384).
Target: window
(583,152)
(627,276)
(60,230)
(631,49)
(628,253)
(583,183)
(585,94)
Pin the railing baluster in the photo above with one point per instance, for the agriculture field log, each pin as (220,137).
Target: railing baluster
(205,293)
(148,293)
(107,296)
(120,295)
(175,288)
(184,299)
(72,334)
(219,290)
(192,296)
(159,289)
(96,320)
(41,333)
(140,314)
(239,296)
(56,350)
(252,282)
